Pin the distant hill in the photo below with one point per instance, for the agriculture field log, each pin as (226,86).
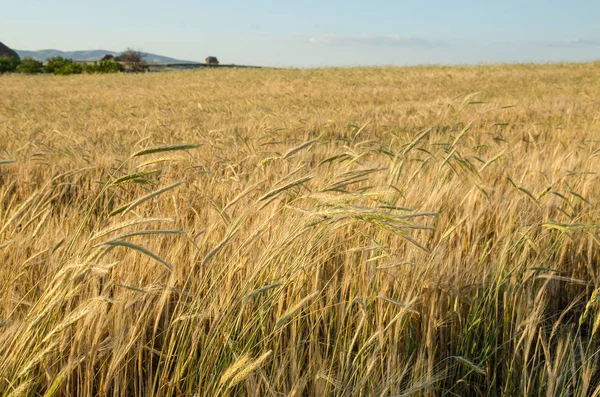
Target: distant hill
(7,52)
(93,55)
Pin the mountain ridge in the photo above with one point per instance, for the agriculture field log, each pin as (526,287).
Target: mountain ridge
(92,55)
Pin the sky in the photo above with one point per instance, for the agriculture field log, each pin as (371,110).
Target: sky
(314,33)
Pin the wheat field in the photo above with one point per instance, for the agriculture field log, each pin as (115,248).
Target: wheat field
(329,232)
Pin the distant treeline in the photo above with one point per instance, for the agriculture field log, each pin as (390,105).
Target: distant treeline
(57,66)
(157,67)
(67,66)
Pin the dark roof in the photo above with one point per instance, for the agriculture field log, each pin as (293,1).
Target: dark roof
(7,52)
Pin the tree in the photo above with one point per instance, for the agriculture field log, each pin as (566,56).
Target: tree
(53,64)
(104,66)
(30,66)
(69,67)
(135,60)
(62,66)
(211,61)
(9,64)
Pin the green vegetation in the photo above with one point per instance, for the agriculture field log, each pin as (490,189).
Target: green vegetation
(58,66)
(30,66)
(61,66)
(8,64)
(103,66)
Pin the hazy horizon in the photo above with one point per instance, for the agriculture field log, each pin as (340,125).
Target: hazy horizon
(314,34)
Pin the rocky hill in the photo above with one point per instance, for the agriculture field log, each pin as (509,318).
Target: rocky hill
(7,52)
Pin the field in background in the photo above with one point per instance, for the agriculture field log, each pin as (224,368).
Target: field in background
(381,232)
(170,67)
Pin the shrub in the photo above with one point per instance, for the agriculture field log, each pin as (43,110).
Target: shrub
(53,64)
(104,66)
(69,68)
(91,67)
(110,66)
(212,61)
(8,64)
(30,66)
(62,66)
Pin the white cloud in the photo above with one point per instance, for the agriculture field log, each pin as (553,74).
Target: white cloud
(376,40)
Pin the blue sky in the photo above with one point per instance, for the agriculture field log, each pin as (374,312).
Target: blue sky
(314,33)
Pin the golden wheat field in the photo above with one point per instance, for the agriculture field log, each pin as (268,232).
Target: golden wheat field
(330,232)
